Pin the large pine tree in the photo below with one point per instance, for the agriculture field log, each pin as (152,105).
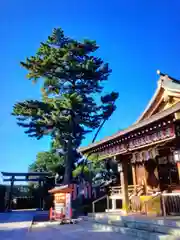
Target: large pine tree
(72,80)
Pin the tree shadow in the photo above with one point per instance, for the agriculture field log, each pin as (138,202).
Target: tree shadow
(10,232)
(17,216)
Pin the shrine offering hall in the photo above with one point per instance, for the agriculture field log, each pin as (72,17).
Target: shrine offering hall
(148,152)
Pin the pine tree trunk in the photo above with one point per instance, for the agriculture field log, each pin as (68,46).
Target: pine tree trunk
(94,139)
(69,156)
(68,164)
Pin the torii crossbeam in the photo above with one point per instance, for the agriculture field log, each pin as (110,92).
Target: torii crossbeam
(25,177)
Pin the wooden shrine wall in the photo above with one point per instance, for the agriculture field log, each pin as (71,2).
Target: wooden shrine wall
(140,173)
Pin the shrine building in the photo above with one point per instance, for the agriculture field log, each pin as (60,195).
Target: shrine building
(148,152)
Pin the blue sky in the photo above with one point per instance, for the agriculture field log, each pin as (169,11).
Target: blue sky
(136,37)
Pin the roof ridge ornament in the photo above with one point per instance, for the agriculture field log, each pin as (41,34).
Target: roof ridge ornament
(163,79)
(163,76)
(160,73)
(166,76)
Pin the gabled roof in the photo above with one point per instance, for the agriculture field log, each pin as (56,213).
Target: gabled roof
(61,189)
(167,86)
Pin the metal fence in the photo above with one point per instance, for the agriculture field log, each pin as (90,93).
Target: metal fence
(170,204)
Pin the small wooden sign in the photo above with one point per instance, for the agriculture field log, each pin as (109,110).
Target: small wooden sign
(60,197)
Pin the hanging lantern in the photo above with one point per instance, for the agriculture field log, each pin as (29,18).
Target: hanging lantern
(143,154)
(119,167)
(176,156)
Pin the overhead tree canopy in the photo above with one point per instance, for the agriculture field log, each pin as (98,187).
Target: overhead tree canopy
(72,78)
(47,162)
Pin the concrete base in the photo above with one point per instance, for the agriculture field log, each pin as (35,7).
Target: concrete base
(118,211)
(116,197)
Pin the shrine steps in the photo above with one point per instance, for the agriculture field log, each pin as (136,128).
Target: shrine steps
(143,228)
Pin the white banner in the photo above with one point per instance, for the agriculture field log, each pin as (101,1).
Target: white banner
(68,205)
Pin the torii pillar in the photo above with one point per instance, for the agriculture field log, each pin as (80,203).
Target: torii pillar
(11,193)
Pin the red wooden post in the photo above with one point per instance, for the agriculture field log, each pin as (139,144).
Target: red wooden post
(50,214)
(71,213)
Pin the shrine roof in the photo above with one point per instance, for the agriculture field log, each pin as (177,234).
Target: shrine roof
(61,189)
(167,86)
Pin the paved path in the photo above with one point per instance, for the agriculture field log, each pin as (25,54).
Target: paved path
(80,231)
(15,225)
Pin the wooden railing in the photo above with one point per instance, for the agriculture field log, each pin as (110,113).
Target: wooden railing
(148,204)
(131,189)
(134,191)
(99,199)
(168,204)
(134,198)
(117,190)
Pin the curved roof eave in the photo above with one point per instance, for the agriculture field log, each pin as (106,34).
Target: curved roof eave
(134,127)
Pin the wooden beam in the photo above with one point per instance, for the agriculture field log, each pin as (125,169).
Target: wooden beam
(24,180)
(177,115)
(16,174)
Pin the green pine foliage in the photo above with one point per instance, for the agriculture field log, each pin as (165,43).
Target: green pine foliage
(47,162)
(71,78)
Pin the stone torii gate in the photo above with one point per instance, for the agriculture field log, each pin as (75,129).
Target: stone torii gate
(24,177)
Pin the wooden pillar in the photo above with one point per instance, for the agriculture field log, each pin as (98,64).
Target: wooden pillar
(176,153)
(145,180)
(124,186)
(134,174)
(178,168)
(114,204)
(156,172)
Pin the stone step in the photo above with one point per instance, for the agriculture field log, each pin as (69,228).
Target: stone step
(141,228)
(135,233)
(160,221)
